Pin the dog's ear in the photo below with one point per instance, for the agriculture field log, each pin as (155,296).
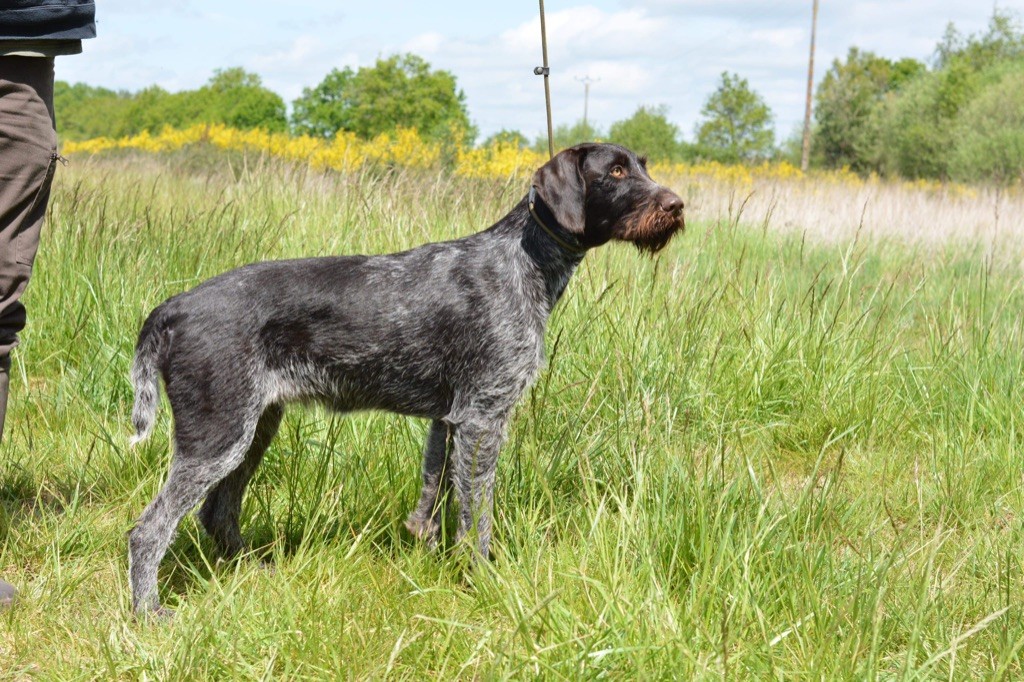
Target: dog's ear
(561,186)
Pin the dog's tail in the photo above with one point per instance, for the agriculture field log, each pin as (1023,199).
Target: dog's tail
(149,352)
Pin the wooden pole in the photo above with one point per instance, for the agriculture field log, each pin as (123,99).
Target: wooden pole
(805,156)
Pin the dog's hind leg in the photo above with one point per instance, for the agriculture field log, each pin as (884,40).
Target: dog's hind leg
(204,455)
(222,509)
(425,521)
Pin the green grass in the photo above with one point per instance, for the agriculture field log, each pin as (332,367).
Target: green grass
(752,457)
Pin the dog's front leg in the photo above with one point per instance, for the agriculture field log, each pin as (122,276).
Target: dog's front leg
(474,464)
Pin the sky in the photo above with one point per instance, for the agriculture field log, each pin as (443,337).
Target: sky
(637,52)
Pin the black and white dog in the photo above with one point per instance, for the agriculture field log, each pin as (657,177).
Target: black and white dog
(452,331)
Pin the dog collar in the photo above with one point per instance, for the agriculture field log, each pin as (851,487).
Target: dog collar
(533,201)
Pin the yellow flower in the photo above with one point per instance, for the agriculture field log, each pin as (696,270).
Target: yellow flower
(502,160)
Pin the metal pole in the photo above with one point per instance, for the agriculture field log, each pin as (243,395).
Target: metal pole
(805,155)
(545,71)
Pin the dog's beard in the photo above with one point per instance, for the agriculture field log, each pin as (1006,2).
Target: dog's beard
(649,228)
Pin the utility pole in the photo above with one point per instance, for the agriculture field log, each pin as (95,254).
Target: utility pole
(805,155)
(586,80)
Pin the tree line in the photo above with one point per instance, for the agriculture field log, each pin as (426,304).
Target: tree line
(401,90)
(960,117)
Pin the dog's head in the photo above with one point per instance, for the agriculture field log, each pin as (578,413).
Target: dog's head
(600,192)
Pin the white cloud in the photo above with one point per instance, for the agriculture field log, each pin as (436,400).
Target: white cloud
(495,71)
(425,43)
(587,29)
(782,38)
(300,51)
(286,69)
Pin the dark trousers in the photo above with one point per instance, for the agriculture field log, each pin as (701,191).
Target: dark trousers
(28,154)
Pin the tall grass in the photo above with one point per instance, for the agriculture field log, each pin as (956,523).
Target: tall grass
(759,455)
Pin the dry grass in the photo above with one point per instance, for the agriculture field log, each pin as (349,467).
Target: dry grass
(931,216)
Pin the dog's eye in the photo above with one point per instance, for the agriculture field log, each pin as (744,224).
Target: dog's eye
(618,172)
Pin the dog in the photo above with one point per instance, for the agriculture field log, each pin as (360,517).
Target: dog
(450,331)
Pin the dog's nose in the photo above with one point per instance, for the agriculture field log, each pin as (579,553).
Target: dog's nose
(670,203)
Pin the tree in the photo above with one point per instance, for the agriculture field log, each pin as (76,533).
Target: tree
(923,132)
(153,108)
(325,109)
(989,135)
(790,149)
(648,131)
(1001,41)
(914,137)
(85,112)
(238,99)
(737,124)
(232,97)
(513,137)
(400,91)
(565,136)
(847,103)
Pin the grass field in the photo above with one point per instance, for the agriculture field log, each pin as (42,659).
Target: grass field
(776,451)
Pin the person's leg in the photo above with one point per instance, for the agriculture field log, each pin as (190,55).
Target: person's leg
(7,591)
(28,153)
(5,382)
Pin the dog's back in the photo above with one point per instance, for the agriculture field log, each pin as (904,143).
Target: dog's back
(395,332)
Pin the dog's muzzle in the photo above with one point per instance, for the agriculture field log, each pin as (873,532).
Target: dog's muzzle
(651,226)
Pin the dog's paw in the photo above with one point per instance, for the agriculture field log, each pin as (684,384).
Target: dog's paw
(427,531)
(156,616)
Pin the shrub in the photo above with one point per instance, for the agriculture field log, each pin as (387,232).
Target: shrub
(990,133)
